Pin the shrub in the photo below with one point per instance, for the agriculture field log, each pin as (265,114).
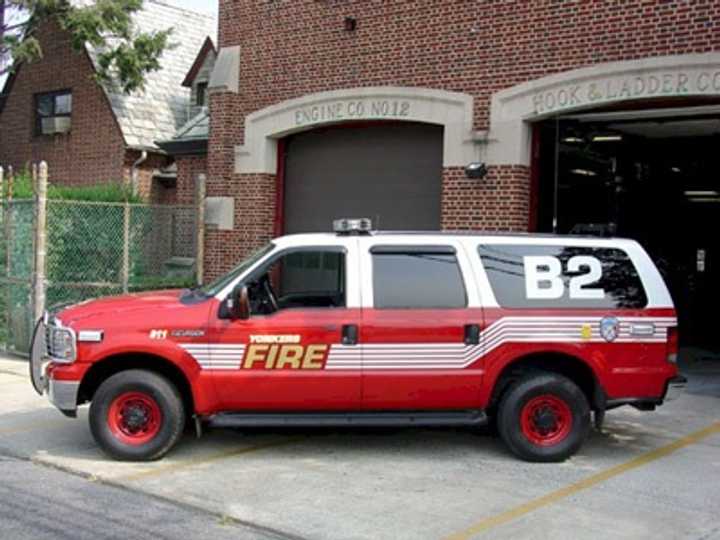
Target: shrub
(102,192)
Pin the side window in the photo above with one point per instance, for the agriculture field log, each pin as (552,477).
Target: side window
(537,276)
(299,279)
(201,94)
(417,278)
(53,112)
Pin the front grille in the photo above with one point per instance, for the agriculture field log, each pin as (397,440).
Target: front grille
(48,340)
(51,342)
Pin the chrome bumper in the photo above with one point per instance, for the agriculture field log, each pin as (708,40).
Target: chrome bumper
(38,357)
(675,387)
(63,394)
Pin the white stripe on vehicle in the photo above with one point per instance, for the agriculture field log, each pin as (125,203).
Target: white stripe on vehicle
(438,356)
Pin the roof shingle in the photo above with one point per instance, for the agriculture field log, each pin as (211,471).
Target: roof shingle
(159,110)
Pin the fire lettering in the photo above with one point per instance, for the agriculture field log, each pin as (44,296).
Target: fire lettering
(284,356)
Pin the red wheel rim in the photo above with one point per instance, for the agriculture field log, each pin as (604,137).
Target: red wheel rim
(134,418)
(546,420)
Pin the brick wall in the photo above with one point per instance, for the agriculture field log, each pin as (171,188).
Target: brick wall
(254,217)
(294,47)
(500,202)
(188,168)
(148,189)
(94,150)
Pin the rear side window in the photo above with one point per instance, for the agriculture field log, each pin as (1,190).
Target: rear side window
(536,276)
(417,278)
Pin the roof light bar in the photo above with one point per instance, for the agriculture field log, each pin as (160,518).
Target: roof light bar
(348,226)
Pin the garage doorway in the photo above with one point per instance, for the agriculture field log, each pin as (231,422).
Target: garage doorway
(391,173)
(649,175)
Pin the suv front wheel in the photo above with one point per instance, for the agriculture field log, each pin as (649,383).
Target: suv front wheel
(136,415)
(543,417)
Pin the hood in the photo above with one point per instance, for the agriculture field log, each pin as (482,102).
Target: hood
(115,305)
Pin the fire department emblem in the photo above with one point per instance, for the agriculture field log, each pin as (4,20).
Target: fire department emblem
(609,328)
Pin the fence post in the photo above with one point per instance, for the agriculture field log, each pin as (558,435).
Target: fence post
(8,232)
(200,231)
(40,240)
(10,178)
(126,249)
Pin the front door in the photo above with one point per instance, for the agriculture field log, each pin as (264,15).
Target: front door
(420,328)
(301,303)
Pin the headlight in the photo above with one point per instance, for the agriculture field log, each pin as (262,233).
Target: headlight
(61,344)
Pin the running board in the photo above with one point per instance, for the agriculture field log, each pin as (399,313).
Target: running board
(364,419)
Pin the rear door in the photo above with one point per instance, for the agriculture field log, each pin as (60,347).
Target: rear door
(420,325)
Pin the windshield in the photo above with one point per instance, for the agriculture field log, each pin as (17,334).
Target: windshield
(214,287)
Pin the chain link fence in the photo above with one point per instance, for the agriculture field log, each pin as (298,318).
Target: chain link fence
(91,249)
(16,273)
(99,249)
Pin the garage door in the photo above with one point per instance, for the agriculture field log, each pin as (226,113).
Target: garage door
(390,173)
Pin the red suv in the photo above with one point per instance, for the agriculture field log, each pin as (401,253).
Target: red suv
(375,329)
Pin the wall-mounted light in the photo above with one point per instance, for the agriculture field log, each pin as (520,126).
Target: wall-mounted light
(350,24)
(476,170)
(583,172)
(607,138)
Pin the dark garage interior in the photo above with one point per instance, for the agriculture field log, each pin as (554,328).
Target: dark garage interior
(649,175)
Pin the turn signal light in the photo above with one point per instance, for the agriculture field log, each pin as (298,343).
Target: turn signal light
(672,345)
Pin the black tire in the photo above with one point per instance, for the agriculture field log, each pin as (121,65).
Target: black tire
(158,391)
(535,389)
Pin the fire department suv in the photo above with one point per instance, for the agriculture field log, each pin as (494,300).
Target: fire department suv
(375,329)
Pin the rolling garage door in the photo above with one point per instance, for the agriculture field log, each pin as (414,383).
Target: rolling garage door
(390,173)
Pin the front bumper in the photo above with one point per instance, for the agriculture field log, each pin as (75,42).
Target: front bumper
(64,395)
(61,393)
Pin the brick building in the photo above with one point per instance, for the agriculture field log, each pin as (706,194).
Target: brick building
(584,114)
(53,110)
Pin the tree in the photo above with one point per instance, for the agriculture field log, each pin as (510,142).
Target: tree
(124,54)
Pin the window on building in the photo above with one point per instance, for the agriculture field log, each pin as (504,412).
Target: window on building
(201,94)
(53,111)
(299,279)
(417,278)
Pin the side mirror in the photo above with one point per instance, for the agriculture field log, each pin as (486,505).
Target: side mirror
(237,304)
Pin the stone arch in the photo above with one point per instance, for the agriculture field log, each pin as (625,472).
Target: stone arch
(263,128)
(513,109)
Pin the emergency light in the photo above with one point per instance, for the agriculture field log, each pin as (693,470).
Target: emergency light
(348,226)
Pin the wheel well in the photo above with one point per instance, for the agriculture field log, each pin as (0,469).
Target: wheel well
(563,364)
(111,365)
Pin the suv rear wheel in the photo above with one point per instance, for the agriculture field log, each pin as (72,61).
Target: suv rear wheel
(543,417)
(136,415)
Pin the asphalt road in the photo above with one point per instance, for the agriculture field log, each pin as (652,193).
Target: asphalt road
(39,502)
(646,475)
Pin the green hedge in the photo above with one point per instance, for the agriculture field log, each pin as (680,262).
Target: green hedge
(103,192)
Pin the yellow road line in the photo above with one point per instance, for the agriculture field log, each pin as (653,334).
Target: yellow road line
(208,459)
(555,496)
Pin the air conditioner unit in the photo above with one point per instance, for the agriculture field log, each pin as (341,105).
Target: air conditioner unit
(56,124)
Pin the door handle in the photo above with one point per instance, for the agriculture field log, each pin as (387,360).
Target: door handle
(349,334)
(472,334)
